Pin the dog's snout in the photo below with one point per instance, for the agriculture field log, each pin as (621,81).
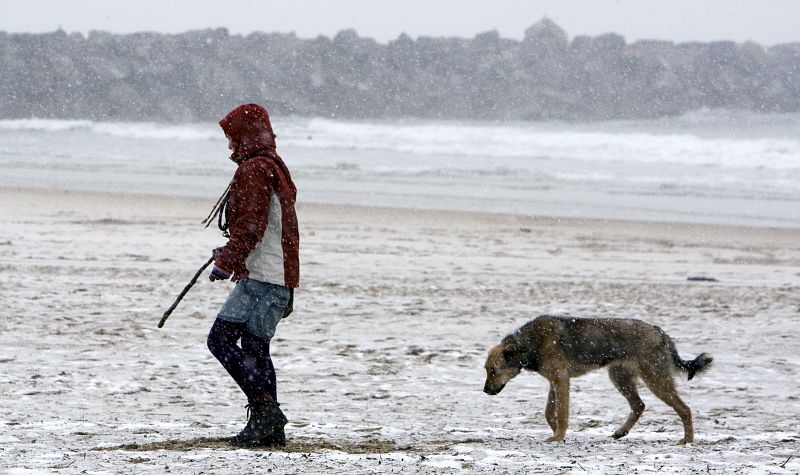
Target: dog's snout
(490,390)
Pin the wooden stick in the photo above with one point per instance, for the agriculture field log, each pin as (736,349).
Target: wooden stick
(185,290)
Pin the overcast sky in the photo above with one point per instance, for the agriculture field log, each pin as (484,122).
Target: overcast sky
(764,21)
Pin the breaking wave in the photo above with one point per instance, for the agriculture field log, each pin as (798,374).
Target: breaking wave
(134,130)
(548,142)
(510,145)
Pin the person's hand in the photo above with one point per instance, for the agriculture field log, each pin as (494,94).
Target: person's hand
(216,251)
(218,274)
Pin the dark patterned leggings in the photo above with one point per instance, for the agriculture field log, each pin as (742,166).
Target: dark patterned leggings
(249,365)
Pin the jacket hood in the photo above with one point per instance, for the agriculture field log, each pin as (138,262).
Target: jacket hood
(250,130)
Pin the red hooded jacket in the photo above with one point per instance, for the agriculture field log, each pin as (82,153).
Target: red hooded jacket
(264,239)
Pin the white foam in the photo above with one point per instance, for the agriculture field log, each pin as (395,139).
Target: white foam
(134,130)
(45,125)
(546,141)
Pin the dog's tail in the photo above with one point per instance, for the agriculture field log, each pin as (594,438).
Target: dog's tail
(697,365)
(692,367)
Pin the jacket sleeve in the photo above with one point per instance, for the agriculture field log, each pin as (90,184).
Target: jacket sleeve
(249,211)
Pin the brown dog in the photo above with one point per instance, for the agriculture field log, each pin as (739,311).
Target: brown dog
(563,347)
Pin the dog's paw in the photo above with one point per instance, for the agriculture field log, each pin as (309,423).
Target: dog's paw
(685,441)
(554,439)
(619,434)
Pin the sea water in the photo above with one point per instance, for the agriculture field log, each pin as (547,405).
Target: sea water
(708,166)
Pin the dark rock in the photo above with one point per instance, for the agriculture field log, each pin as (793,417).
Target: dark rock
(701,278)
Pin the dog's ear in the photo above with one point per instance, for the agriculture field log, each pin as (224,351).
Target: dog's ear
(515,356)
(511,355)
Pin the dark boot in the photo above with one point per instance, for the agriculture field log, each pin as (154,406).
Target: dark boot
(246,433)
(264,426)
(277,438)
(276,419)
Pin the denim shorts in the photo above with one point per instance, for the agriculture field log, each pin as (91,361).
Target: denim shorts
(259,304)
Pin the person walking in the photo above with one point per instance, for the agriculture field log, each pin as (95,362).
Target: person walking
(257,215)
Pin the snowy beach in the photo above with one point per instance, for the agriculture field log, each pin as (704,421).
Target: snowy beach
(380,368)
